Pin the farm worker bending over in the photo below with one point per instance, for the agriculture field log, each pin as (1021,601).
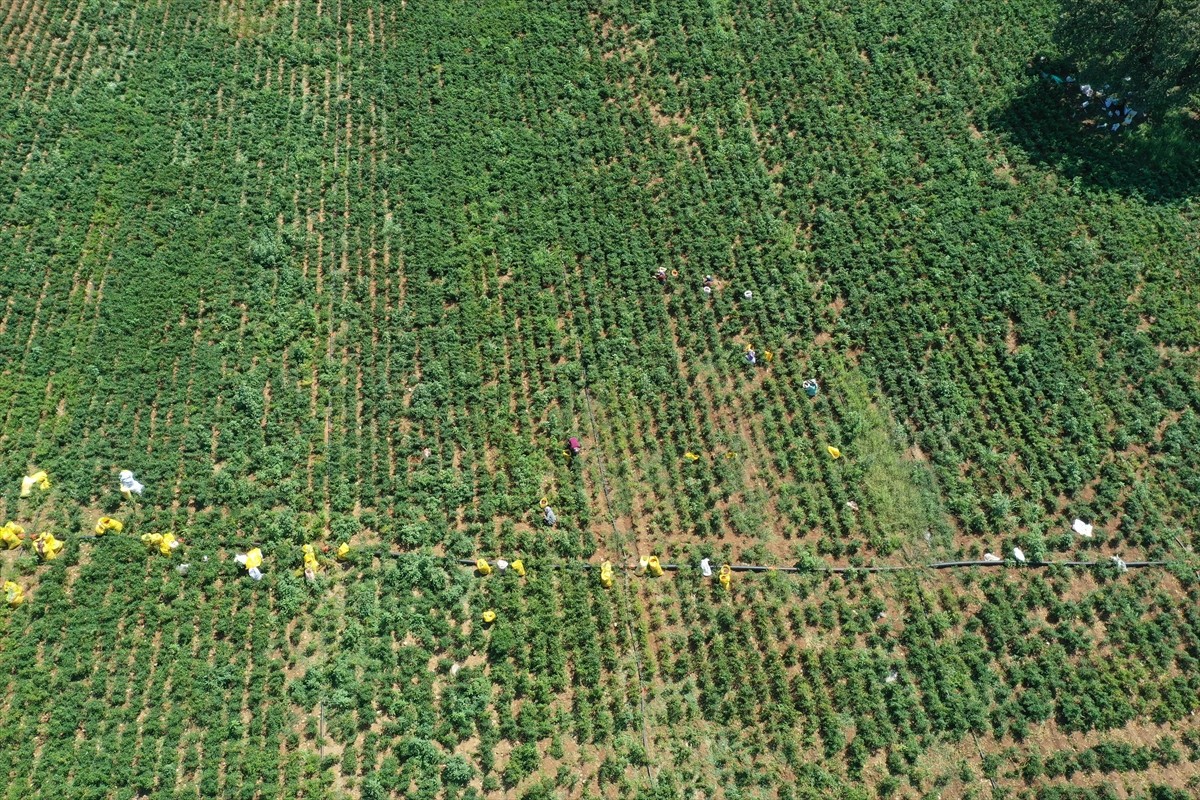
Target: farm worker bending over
(661,275)
(129,486)
(606,574)
(751,356)
(251,561)
(310,562)
(550,518)
(46,546)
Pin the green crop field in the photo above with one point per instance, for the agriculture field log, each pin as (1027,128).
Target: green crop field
(337,271)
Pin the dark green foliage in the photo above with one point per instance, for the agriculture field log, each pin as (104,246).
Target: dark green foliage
(343,271)
(1149,49)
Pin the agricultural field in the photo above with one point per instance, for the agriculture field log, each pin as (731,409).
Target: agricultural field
(326,271)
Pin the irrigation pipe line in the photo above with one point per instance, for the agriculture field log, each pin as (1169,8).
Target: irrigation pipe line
(619,545)
(616,538)
(587,565)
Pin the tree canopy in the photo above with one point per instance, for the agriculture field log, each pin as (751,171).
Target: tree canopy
(1148,50)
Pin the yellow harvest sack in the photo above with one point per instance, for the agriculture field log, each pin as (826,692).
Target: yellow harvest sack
(38,479)
(11,535)
(106,524)
(14,595)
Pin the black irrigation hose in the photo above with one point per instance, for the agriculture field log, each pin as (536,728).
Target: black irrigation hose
(616,540)
(1130,564)
(587,565)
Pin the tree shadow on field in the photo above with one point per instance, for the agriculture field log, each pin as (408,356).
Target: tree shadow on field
(1159,161)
